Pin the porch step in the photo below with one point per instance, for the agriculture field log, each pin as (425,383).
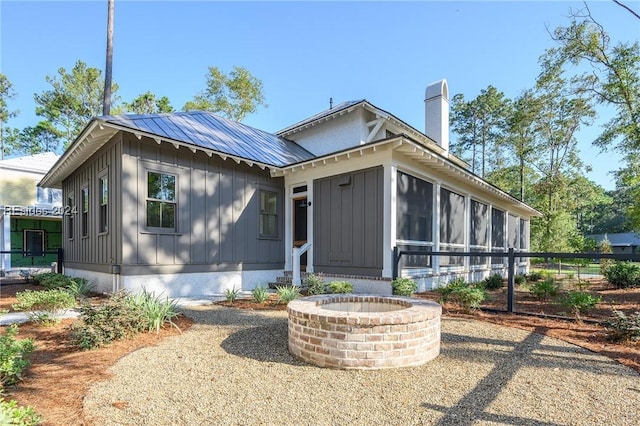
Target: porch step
(286,279)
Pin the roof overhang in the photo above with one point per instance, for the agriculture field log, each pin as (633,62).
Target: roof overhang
(416,151)
(98,132)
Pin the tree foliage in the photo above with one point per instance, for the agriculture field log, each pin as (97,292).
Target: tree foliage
(7,93)
(148,103)
(479,124)
(75,97)
(233,95)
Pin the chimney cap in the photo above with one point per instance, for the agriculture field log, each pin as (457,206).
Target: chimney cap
(436,89)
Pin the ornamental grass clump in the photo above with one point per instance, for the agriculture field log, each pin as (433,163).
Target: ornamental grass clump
(403,286)
(44,307)
(287,293)
(156,310)
(544,290)
(493,282)
(231,295)
(260,294)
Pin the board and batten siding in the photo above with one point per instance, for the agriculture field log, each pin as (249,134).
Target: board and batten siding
(348,219)
(217,213)
(96,251)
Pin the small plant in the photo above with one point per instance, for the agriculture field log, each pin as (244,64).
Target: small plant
(44,307)
(13,414)
(52,280)
(543,290)
(623,274)
(404,286)
(340,287)
(79,288)
(623,327)
(520,279)
(100,325)
(260,294)
(287,293)
(156,310)
(579,301)
(232,295)
(315,284)
(14,356)
(493,282)
(451,287)
(535,276)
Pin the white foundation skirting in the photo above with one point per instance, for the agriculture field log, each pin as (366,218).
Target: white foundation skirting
(178,285)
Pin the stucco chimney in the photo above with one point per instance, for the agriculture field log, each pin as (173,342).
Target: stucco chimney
(436,113)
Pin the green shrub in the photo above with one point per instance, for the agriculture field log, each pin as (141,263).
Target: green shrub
(13,414)
(579,301)
(520,279)
(340,287)
(14,356)
(493,282)
(52,280)
(156,310)
(404,286)
(44,307)
(623,274)
(623,327)
(535,276)
(260,294)
(287,293)
(450,288)
(468,297)
(543,290)
(232,295)
(100,325)
(315,284)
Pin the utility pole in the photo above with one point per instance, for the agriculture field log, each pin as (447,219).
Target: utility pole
(106,104)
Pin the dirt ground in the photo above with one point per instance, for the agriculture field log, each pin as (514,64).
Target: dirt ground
(59,376)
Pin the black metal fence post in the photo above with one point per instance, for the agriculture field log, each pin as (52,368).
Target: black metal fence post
(60,260)
(511,280)
(396,260)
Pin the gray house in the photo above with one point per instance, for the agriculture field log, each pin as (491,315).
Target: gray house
(622,242)
(190,203)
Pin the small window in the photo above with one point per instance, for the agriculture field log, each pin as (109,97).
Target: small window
(161,200)
(85,211)
(70,212)
(268,214)
(104,203)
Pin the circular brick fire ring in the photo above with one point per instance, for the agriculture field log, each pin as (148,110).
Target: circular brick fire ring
(364,331)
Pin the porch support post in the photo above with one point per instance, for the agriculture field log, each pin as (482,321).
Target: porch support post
(467,238)
(310,225)
(435,260)
(389,220)
(288,229)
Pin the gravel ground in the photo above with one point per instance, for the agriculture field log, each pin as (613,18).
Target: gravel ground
(232,367)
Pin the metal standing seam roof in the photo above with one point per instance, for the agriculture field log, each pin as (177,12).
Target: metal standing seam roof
(341,106)
(209,131)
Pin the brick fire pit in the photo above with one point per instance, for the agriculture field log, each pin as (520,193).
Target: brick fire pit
(364,331)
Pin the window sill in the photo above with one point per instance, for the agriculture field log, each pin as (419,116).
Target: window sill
(260,237)
(102,234)
(159,232)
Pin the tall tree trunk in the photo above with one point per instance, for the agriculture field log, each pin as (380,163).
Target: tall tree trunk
(522,179)
(106,104)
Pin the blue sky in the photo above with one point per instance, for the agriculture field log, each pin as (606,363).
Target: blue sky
(304,52)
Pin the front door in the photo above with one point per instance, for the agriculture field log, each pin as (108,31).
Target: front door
(300,225)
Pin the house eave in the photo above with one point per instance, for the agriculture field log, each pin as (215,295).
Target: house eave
(414,150)
(98,132)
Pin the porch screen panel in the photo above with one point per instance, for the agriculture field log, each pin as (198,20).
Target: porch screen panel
(498,240)
(479,231)
(414,219)
(513,227)
(452,226)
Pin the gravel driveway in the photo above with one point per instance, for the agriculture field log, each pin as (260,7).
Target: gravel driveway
(232,367)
